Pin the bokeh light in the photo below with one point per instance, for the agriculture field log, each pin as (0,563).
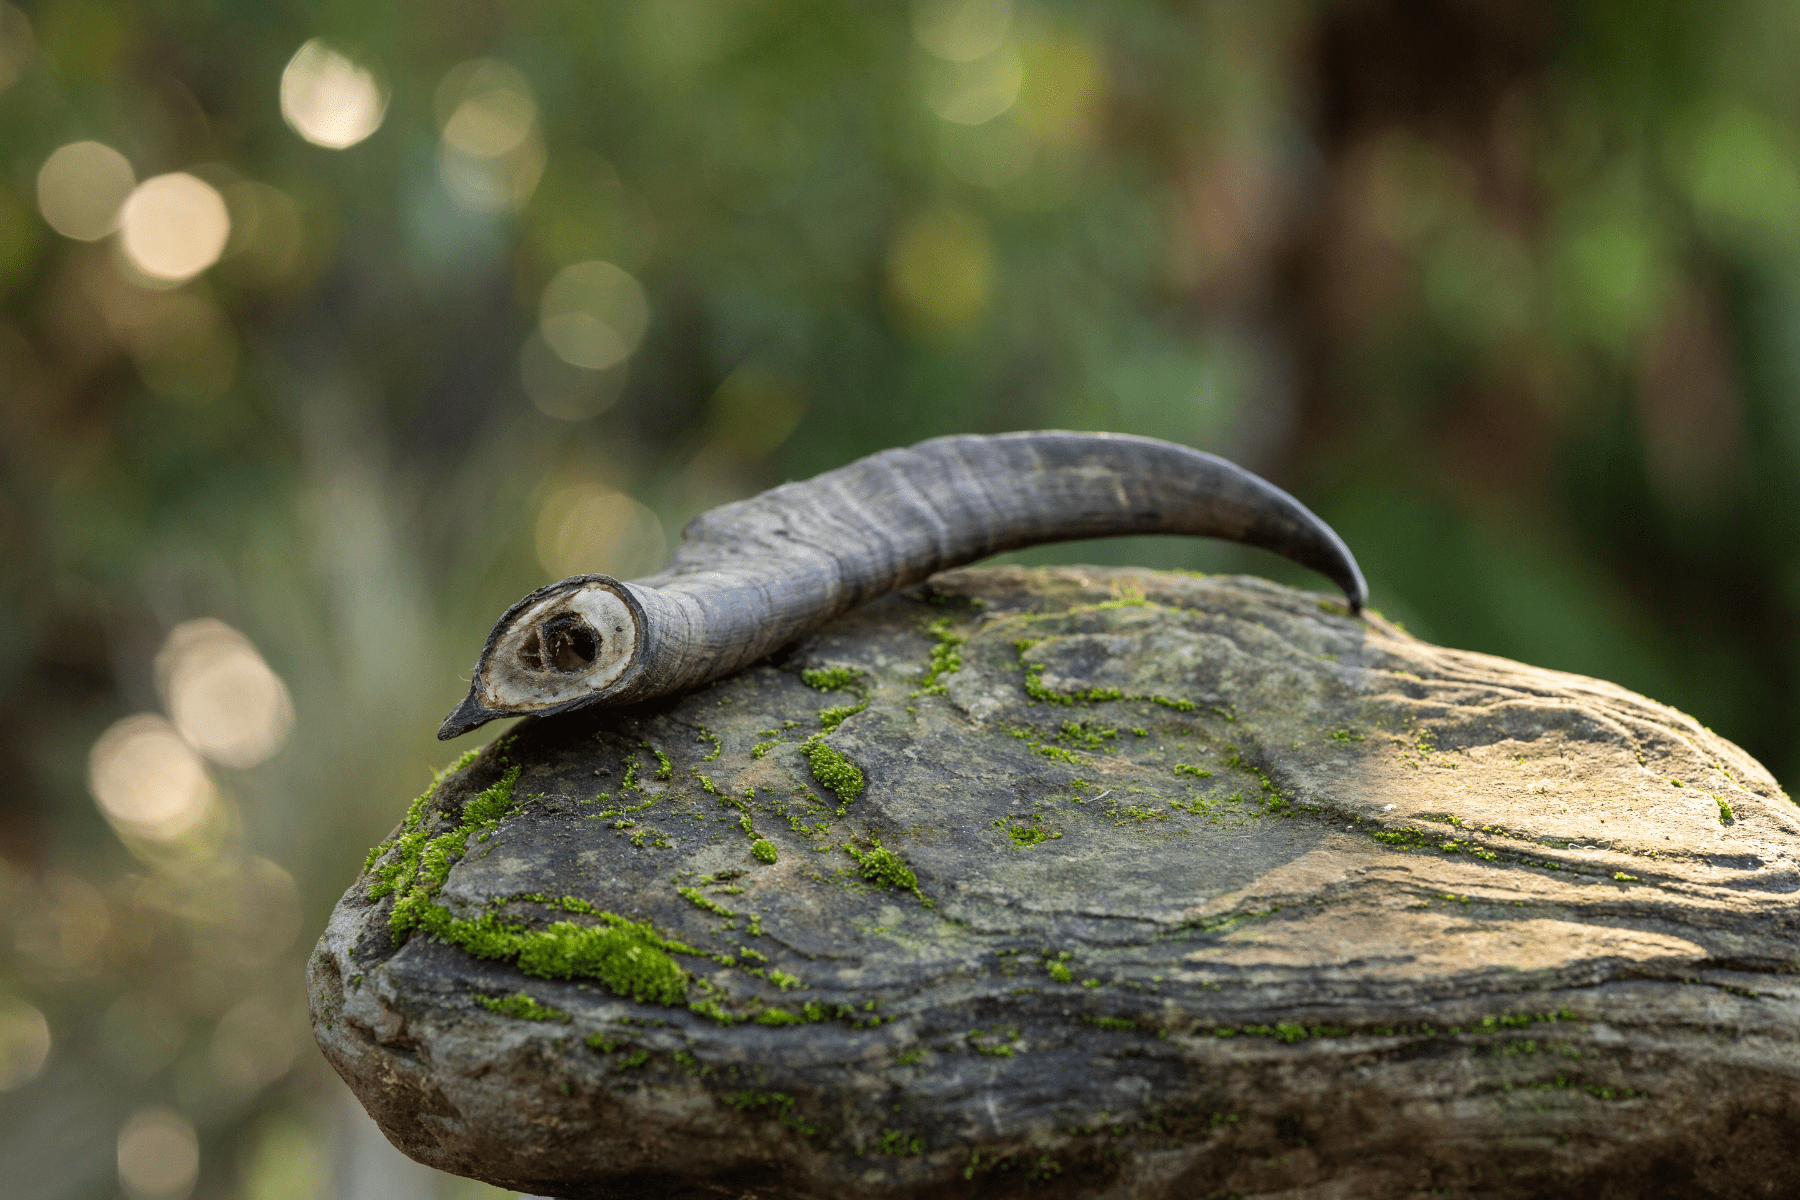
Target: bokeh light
(1064,84)
(24,1043)
(939,272)
(328,99)
(593,315)
(223,698)
(172,227)
(961,30)
(148,780)
(754,411)
(974,93)
(17,45)
(254,1044)
(81,187)
(491,154)
(562,390)
(159,1155)
(586,528)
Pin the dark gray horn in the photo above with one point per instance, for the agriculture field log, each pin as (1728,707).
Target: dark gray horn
(752,576)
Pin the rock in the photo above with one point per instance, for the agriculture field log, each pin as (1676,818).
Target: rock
(1102,883)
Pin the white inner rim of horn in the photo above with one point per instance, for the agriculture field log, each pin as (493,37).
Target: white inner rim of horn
(538,662)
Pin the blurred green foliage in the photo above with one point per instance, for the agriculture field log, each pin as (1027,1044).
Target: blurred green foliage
(1509,293)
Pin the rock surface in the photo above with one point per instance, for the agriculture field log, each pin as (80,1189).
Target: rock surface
(1132,885)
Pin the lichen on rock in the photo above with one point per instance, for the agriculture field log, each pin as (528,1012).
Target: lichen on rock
(1152,886)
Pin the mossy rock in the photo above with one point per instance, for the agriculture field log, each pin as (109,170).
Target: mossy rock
(1121,884)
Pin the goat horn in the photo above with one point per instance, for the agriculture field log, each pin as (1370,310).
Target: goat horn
(751,576)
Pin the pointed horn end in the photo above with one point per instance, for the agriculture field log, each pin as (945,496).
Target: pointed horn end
(470,714)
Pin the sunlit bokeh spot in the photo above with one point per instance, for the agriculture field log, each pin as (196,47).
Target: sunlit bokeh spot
(220,693)
(159,1155)
(328,99)
(754,411)
(977,92)
(287,1161)
(586,528)
(1064,86)
(257,915)
(254,1045)
(562,390)
(24,1043)
(148,780)
(494,111)
(593,315)
(961,30)
(491,155)
(61,931)
(80,188)
(17,46)
(939,273)
(174,226)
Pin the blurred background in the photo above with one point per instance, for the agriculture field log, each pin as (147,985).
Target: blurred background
(325,335)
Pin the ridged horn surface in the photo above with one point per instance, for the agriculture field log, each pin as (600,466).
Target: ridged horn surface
(752,576)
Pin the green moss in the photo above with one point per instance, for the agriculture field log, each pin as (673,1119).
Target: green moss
(699,900)
(881,865)
(896,1143)
(1058,970)
(831,718)
(415,815)
(1084,736)
(764,850)
(524,1007)
(787,1109)
(718,747)
(780,1016)
(946,658)
(832,769)
(664,768)
(762,748)
(1182,768)
(630,958)
(1026,835)
(1725,817)
(830,679)
(630,780)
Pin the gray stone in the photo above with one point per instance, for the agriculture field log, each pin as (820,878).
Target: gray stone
(1310,909)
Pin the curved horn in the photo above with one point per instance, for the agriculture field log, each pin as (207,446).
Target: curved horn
(751,576)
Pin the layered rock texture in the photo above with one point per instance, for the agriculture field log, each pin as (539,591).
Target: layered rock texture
(1090,883)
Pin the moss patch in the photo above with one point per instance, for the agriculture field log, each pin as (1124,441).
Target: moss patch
(880,865)
(524,1007)
(630,958)
(829,679)
(832,769)
(946,658)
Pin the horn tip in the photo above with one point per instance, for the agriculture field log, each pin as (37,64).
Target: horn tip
(470,714)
